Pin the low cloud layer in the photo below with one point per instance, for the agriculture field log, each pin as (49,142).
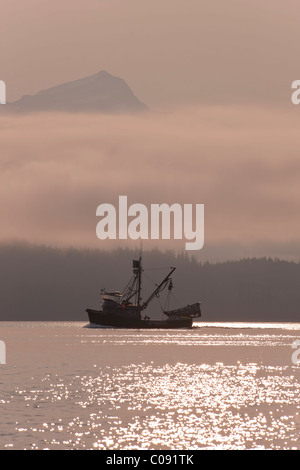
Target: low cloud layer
(241,162)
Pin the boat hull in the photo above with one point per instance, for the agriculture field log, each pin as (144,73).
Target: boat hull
(101,318)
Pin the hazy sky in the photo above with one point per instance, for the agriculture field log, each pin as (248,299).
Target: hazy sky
(242,163)
(227,134)
(169,51)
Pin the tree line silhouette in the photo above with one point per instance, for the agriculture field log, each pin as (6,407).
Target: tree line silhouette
(44,283)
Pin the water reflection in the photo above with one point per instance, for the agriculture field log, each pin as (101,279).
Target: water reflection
(189,338)
(174,406)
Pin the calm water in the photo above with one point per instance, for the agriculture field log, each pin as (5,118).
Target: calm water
(65,386)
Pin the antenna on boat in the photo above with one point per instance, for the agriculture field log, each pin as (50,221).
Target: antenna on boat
(141,248)
(140,273)
(137,270)
(140,283)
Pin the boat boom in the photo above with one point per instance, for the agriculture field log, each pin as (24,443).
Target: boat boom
(160,287)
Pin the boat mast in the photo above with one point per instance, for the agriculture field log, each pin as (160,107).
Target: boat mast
(140,282)
(137,269)
(160,287)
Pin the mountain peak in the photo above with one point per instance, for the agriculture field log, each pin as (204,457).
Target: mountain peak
(104,73)
(101,92)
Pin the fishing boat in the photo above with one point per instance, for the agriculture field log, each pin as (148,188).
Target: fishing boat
(127,310)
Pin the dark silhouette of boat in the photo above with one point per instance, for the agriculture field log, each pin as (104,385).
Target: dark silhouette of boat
(126,309)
